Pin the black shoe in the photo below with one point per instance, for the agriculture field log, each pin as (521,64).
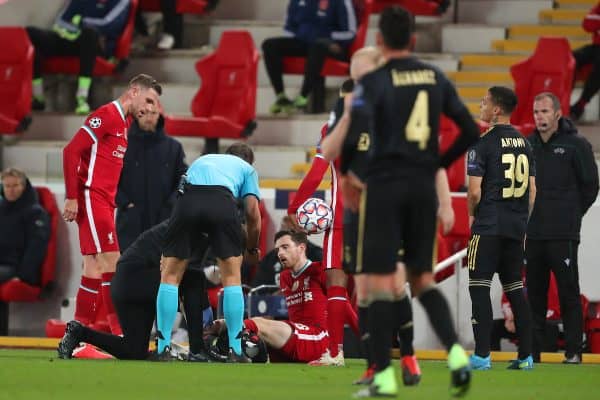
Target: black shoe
(572,359)
(201,356)
(38,104)
(165,356)
(235,358)
(460,381)
(70,340)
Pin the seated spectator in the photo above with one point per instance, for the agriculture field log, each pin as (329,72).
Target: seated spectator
(24,229)
(586,55)
(84,28)
(315,29)
(269,267)
(152,169)
(172,35)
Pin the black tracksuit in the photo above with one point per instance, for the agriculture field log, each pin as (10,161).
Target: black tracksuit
(152,168)
(134,289)
(24,235)
(567,185)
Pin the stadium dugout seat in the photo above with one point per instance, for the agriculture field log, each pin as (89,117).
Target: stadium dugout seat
(549,69)
(103,67)
(182,6)
(333,67)
(457,171)
(16,69)
(225,104)
(458,237)
(442,254)
(417,7)
(16,290)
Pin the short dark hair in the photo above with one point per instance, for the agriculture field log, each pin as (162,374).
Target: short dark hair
(397,26)
(296,236)
(241,150)
(555,100)
(147,82)
(504,98)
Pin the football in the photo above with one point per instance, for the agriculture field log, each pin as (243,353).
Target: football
(314,216)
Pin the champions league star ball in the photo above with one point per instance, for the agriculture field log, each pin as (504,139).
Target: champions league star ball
(314,216)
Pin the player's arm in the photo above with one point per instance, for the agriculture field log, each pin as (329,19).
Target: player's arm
(339,121)
(476,167)
(252,212)
(445,210)
(455,109)
(82,141)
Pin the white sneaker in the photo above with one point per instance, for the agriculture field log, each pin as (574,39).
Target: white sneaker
(166,42)
(327,360)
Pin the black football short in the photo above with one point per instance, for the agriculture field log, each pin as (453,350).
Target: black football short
(487,255)
(204,209)
(400,219)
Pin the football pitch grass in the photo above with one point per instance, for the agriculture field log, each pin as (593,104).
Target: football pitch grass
(38,374)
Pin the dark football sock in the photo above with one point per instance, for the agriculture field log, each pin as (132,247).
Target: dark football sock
(404,316)
(438,313)
(481,319)
(381,313)
(363,324)
(523,325)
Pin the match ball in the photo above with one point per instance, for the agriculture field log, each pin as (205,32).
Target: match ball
(314,216)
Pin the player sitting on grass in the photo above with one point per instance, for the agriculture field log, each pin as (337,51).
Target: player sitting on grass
(304,336)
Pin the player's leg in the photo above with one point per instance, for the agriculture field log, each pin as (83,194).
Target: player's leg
(378,244)
(108,264)
(337,295)
(233,299)
(483,258)
(419,234)
(411,373)
(274,333)
(509,271)
(563,260)
(538,281)
(87,295)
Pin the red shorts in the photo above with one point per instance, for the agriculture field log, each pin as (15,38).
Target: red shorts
(306,344)
(96,222)
(333,244)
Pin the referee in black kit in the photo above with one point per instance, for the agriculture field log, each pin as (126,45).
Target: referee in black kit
(402,102)
(567,181)
(134,289)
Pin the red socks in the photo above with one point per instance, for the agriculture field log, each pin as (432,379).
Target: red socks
(85,301)
(337,299)
(111,315)
(251,325)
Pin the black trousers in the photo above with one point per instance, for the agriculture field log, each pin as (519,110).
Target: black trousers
(589,54)
(48,43)
(560,257)
(134,298)
(275,49)
(172,22)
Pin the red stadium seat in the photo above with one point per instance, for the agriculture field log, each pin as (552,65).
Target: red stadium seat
(182,7)
(16,66)
(417,7)
(333,67)
(549,69)
(442,253)
(457,171)
(103,67)
(458,238)
(17,290)
(225,104)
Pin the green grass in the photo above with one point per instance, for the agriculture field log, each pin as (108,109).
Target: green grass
(36,374)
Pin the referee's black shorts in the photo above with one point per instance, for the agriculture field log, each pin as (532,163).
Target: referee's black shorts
(399,221)
(204,209)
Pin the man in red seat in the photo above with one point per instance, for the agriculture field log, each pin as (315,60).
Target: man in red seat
(589,54)
(315,29)
(92,163)
(24,229)
(84,28)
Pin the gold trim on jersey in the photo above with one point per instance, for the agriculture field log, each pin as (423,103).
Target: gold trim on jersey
(472,251)
(362,208)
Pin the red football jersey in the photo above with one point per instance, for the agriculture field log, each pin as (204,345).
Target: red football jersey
(94,158)
(305,295)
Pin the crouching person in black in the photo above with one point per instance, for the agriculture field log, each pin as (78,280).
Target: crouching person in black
(134,289)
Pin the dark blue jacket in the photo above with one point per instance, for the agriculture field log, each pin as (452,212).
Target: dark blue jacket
(152,167)
(309,20)
(24,234)
(108,17)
